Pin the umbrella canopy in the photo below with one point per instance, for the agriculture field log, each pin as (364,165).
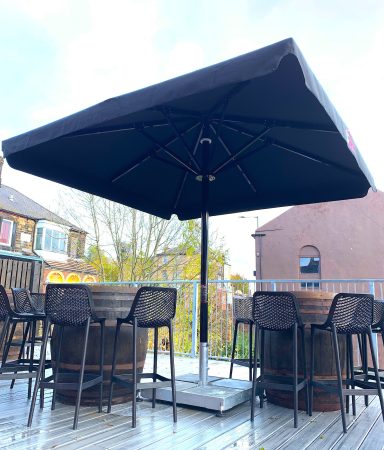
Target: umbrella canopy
(253,132)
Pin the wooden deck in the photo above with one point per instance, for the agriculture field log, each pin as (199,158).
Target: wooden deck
(196,429)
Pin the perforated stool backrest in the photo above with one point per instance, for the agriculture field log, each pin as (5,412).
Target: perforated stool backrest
(242,309)
(4,304)
(153,307)
(68,304)
(351,313)
(22,300)
(378,315)
(276,310)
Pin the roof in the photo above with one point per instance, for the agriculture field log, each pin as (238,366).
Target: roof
(71,265)
(15,202)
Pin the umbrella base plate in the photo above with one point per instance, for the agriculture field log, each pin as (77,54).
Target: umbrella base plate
(219,394)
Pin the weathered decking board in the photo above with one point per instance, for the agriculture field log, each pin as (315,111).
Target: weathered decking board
(196,429)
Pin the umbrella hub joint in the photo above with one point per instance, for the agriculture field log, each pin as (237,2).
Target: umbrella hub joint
(208,177)
(207,140)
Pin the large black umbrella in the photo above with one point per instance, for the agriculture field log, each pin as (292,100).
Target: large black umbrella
(253,132)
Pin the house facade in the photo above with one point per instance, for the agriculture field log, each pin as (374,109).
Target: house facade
(30,231)
(334,240)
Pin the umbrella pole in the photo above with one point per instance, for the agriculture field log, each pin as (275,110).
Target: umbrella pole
(203,351)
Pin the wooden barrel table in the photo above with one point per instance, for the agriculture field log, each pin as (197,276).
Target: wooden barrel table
(314,307)
(111,302)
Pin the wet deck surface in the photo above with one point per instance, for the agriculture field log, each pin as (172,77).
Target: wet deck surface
(196,428)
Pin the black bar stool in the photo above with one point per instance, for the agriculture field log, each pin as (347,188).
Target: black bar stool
(277,312)
(350,314)
(153,307)
(20,368)
(24,303)
(242,314)
(69,305)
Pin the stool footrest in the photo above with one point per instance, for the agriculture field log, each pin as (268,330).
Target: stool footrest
(127,380)
(70,381)
(280,383)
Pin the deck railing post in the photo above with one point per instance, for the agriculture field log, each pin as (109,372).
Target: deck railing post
(194,318)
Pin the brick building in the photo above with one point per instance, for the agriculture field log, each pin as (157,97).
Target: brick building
(28,230)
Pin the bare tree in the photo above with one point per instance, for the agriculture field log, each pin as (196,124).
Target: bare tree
(129,237)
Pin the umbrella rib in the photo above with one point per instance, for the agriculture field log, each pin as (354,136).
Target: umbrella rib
(116,129)
(271,123)
(181,137)
(233,157)
(147,156)
(307,155)
(181,187)
(167,151)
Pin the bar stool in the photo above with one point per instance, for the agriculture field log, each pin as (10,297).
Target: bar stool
(20,368)
(350,314)
(277,312)
(242,313)
(69,305)
(152,307)
(24,303)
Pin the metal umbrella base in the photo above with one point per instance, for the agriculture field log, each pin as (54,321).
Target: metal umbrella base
(219,394)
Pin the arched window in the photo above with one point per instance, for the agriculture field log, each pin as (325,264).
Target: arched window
(55,277)
(309,266)
(73,278)
(89,279)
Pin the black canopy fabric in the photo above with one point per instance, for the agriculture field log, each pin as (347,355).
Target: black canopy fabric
(253,132)
(276,141)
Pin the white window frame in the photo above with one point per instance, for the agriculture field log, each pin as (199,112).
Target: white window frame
(9,243)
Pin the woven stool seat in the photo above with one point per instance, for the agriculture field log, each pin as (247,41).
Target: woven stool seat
(152,307)
(277,312)
(242,314)
(69,305)
(350,314)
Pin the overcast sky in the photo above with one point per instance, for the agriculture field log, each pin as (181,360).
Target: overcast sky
(60,56)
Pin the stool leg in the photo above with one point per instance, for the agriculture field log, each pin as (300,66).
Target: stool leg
(20,356)
(8,342)
(134,357)
(101,366)
(304,359)
(365,363)
(261,391)
(31,355)
(295,375)
(57,365)
(352,373)
(81,375)
(254,378)
(39,372)
(173,378)
(376,370)
(114,356)
(4,332)
(233,348)
(250,326)
(155,348)
(348,367)
(312,370)
(339,378)
(21,351)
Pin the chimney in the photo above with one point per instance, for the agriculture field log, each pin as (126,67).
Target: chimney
(1,167)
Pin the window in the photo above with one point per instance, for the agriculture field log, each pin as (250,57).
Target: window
(73,278)
(310,285)
(6,232)
(51,240)
(55,277)
(309,264)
